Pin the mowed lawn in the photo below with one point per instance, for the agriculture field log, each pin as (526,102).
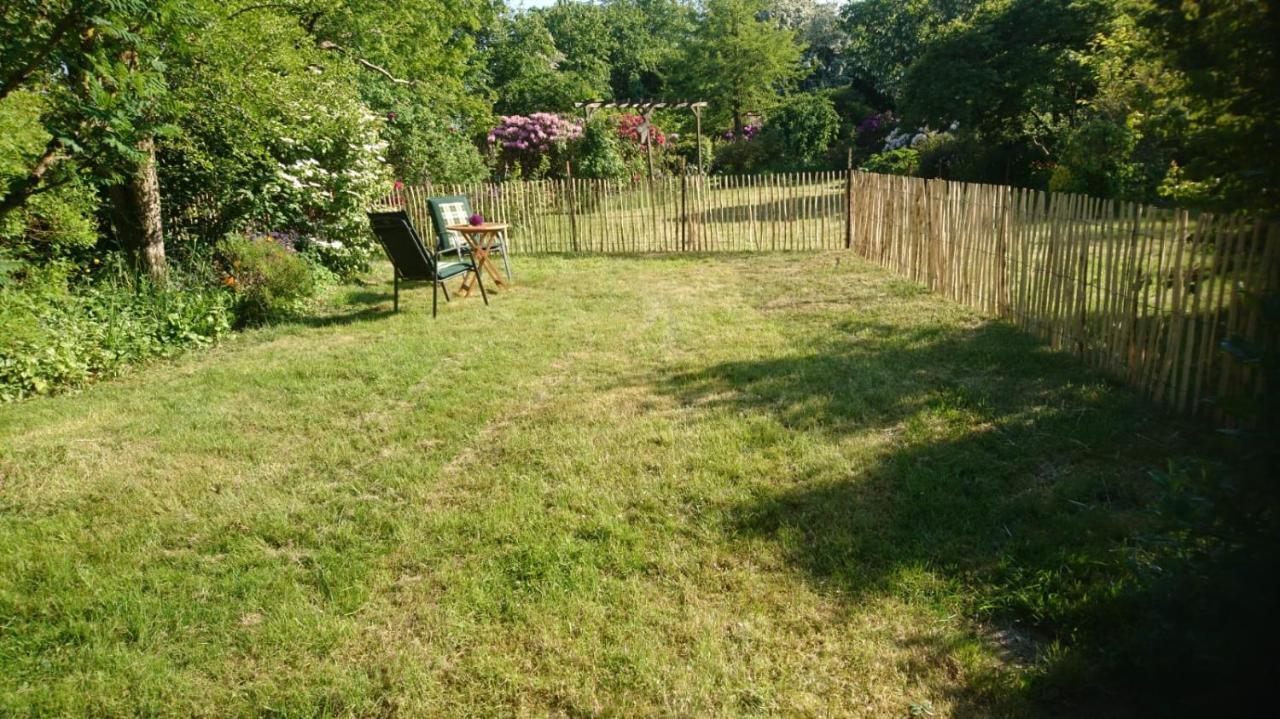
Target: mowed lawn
(695,486)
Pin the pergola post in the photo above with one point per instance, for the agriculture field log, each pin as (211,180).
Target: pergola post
(648,140)
(697,118)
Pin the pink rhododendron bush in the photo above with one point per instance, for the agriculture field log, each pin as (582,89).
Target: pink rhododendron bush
(530,145)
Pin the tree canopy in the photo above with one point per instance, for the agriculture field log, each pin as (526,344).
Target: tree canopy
(217,115)
(738,60)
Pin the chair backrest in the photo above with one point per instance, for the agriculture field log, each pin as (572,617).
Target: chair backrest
(446,211)
(404,247)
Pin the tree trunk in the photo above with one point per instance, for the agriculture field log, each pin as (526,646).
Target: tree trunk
(18,191)
(136,214)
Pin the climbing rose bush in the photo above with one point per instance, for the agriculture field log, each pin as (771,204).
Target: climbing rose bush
(629,129)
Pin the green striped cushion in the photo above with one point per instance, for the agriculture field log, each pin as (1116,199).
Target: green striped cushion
(454,213)
(445,270)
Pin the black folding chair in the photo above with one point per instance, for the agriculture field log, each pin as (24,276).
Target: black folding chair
(411,260)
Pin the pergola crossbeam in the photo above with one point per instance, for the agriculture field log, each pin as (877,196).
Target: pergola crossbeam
(640,104)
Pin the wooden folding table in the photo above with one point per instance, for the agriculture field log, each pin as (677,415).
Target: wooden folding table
(481,238)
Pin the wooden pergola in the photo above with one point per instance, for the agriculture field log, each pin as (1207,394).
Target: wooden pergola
(645,109)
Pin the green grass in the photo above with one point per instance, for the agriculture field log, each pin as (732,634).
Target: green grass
(742,485)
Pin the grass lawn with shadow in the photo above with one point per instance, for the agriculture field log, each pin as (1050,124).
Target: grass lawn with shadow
(731,486)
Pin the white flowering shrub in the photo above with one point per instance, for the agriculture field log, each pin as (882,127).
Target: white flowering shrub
(325,180)
(915,139)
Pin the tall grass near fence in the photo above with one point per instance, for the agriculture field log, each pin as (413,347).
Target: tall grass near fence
(1172,303)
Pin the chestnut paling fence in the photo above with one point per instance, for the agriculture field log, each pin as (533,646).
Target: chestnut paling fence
(1172,303)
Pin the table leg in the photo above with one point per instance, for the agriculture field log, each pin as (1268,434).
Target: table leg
(479,256)
(480,250)
(493,272)
(482,253)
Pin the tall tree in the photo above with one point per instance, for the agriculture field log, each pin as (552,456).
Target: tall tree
(420,63)
(98,64)
(647,39)
(276,129)
(1014,75)
(1224,60)
(581,35)
(887,36)
(528,70)
(739,60)
(819,28)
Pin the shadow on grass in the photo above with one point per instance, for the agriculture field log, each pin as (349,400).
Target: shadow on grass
(783,210)
(1030,487)
(360,305)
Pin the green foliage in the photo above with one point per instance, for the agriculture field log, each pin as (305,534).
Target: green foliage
(1097,158)
(325,185)
(598,153)
(415,63)
(581,35)
(55,222)
(686,146)
(267,280)
(944,156)
(274,143)
(647,36)
(1011,74)
(902,161)
(525,66)
(1219,65)
(1135,99)
(425,148)
(802,129)
(741,157)
(887,36)
(853,107)
(53,339)
(97,65)
(821,32)
(545,59)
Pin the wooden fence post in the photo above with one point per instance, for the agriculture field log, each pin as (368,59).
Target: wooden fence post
(569,200)
(684,206)
(848,201)
(1005,194)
